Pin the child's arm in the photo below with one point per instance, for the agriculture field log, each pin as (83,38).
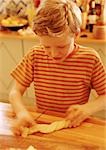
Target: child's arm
(23,116)
(78,113)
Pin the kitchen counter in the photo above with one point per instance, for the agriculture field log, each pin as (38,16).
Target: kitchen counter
(86,37)
(88,136)
(16,35)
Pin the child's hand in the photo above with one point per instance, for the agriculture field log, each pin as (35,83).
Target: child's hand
(24,119)
(77,114)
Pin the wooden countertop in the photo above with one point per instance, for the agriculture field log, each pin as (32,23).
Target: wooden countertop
(89,38)
(89,136)
(79,39)
(16,35)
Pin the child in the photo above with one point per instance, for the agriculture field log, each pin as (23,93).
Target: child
(62,71)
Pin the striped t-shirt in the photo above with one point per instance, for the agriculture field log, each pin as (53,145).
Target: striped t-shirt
(59,85)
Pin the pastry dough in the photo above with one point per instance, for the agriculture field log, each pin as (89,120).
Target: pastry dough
(46,128)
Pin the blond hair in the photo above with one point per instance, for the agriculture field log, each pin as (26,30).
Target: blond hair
(53,17)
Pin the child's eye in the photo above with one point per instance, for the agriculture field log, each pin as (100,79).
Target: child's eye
(64,46)
(61,46)
(47,47)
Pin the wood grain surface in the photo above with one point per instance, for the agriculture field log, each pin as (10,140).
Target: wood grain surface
(91,135)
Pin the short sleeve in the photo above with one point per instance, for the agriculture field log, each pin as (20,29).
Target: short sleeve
(98,80)
(23,72)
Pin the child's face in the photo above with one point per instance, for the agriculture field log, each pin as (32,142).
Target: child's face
(58,47)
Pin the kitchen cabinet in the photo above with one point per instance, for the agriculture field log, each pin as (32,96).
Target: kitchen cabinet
(12,48)
(10,54)
(28,43)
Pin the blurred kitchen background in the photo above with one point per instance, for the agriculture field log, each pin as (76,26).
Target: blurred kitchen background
(16,37)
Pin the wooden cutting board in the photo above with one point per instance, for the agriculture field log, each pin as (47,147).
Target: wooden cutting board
(91,135)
